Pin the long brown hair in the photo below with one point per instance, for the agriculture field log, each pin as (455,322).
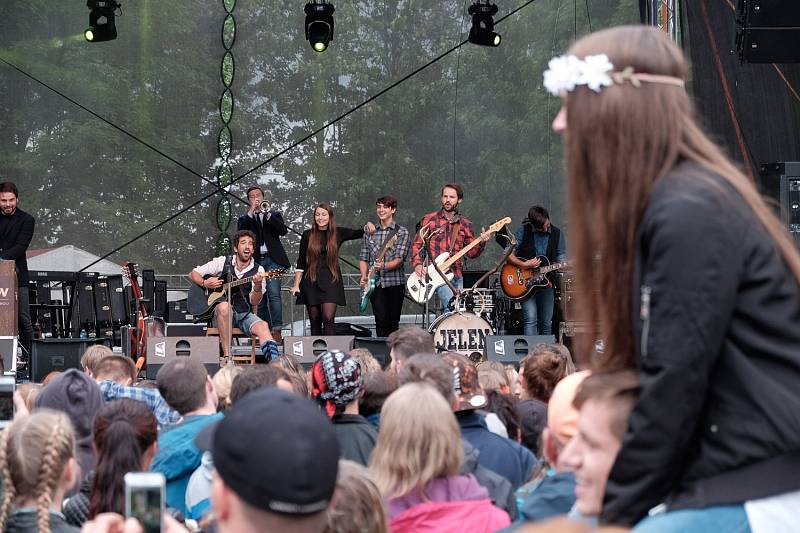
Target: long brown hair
(315,245)
(618,144)
(123,431)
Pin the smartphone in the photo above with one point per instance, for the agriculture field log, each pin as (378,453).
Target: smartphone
(144,499)
(7,386)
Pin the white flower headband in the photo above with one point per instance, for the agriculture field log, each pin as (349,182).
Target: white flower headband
(567,72)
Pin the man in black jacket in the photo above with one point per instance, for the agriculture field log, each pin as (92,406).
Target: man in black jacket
(268,227)
(16,232)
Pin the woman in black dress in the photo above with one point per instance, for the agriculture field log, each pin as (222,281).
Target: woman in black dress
(318,279)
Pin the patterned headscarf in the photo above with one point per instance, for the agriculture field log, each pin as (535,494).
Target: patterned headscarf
(336,381)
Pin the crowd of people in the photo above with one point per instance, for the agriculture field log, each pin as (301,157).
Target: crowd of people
(684,419)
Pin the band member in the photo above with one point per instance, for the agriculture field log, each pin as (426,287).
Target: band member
(701,293)
(450,231)
(246,297)
(268,227)
(387,298)
(318,278)
(538,237)
(16,232)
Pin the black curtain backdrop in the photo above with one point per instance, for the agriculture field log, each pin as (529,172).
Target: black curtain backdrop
(751,109)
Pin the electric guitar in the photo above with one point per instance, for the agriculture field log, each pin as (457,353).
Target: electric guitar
(201,301)
(518,283)
(138,338)
(420,291)
(373,275)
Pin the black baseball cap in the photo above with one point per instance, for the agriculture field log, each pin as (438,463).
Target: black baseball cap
(277,451)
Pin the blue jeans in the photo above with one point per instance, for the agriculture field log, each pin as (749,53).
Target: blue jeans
(722,518)
(271,308)
(537,313)
(444,294)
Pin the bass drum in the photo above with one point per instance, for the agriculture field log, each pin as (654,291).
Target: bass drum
(462,332)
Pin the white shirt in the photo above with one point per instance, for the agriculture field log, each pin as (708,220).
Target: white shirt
(216,265)
(260,218)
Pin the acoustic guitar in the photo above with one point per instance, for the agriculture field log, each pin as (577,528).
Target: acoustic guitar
(201,302)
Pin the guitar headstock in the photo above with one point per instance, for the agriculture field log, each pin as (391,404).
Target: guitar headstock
(270,274)
(129,270)
(499,224)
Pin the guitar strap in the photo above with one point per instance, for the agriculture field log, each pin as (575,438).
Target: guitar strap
(385,243)
(454,235)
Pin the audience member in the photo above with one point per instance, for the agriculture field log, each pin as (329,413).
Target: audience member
(50,377)
(28,393)
(337,384)
(115,374)
(416,463)
(297,375)
(506,457)
(432,369)
(92,356)
(75,394)
(285,486)
(366,360)
(491,378)
(223,381)
(125,435)
(604,401)
(358,506)
(37,462)
(408,341)
(504,408)
(377,387)
(255,377)
(186,386)
(553,494)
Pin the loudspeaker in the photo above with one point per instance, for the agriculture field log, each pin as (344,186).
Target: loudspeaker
(48,355)
(306,349)
(511,349)
(768,31)
(376,346)
(781,181)
(161,350)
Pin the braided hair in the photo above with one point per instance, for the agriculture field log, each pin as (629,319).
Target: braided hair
(34,452)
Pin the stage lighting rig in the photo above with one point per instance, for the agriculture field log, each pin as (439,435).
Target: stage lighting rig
(101,20)
(482,30)
(319,24)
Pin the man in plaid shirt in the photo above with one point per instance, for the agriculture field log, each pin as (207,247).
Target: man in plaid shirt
(387,298)
(451,232)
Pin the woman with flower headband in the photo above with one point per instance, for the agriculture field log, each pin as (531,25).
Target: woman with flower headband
(704,299)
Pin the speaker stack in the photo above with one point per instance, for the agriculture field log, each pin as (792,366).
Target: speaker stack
(768,31)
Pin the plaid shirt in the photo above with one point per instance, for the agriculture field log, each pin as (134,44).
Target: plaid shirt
(440,242)
(165,415)
(371,246)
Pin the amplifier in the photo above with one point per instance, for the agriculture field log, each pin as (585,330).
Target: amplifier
(161,350)
(48,355)
(511,349)
(377,347)
(306,349)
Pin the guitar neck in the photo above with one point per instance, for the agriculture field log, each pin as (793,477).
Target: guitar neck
(238,282)
(447,264)
(554,266)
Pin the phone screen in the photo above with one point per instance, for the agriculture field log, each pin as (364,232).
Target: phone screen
(145,505)
(6,401)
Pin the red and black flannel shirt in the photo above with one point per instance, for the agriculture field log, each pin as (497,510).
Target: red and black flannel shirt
(440,242)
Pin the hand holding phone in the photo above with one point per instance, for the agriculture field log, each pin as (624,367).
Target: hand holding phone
(144,499)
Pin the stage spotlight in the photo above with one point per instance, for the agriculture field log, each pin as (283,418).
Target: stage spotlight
(319,24)
(482,30)
(101,21)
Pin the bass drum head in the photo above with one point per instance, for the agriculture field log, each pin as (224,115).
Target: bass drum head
(462,332)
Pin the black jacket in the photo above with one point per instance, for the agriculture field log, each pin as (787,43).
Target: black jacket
(268,232)
(499,488)
(26,521)
(356,436)
(715,317)
(16,232)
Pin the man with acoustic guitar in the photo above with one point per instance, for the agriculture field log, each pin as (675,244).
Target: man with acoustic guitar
(449,231)
(381,264)
(537,237)
(239,265)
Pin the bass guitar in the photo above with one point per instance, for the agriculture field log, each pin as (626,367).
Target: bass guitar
(201,302)
(420,290)
(373,275)
(518,283)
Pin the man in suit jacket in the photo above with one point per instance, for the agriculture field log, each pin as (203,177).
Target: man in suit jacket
(16,232)
(268,227)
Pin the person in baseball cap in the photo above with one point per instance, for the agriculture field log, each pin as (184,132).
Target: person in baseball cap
(505,456)
(276,458)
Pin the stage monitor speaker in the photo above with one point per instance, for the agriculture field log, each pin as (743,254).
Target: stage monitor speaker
(511,349)
(377,347)
(768,31)
(781,182)
(306,349)
(161,350)
(49,355)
